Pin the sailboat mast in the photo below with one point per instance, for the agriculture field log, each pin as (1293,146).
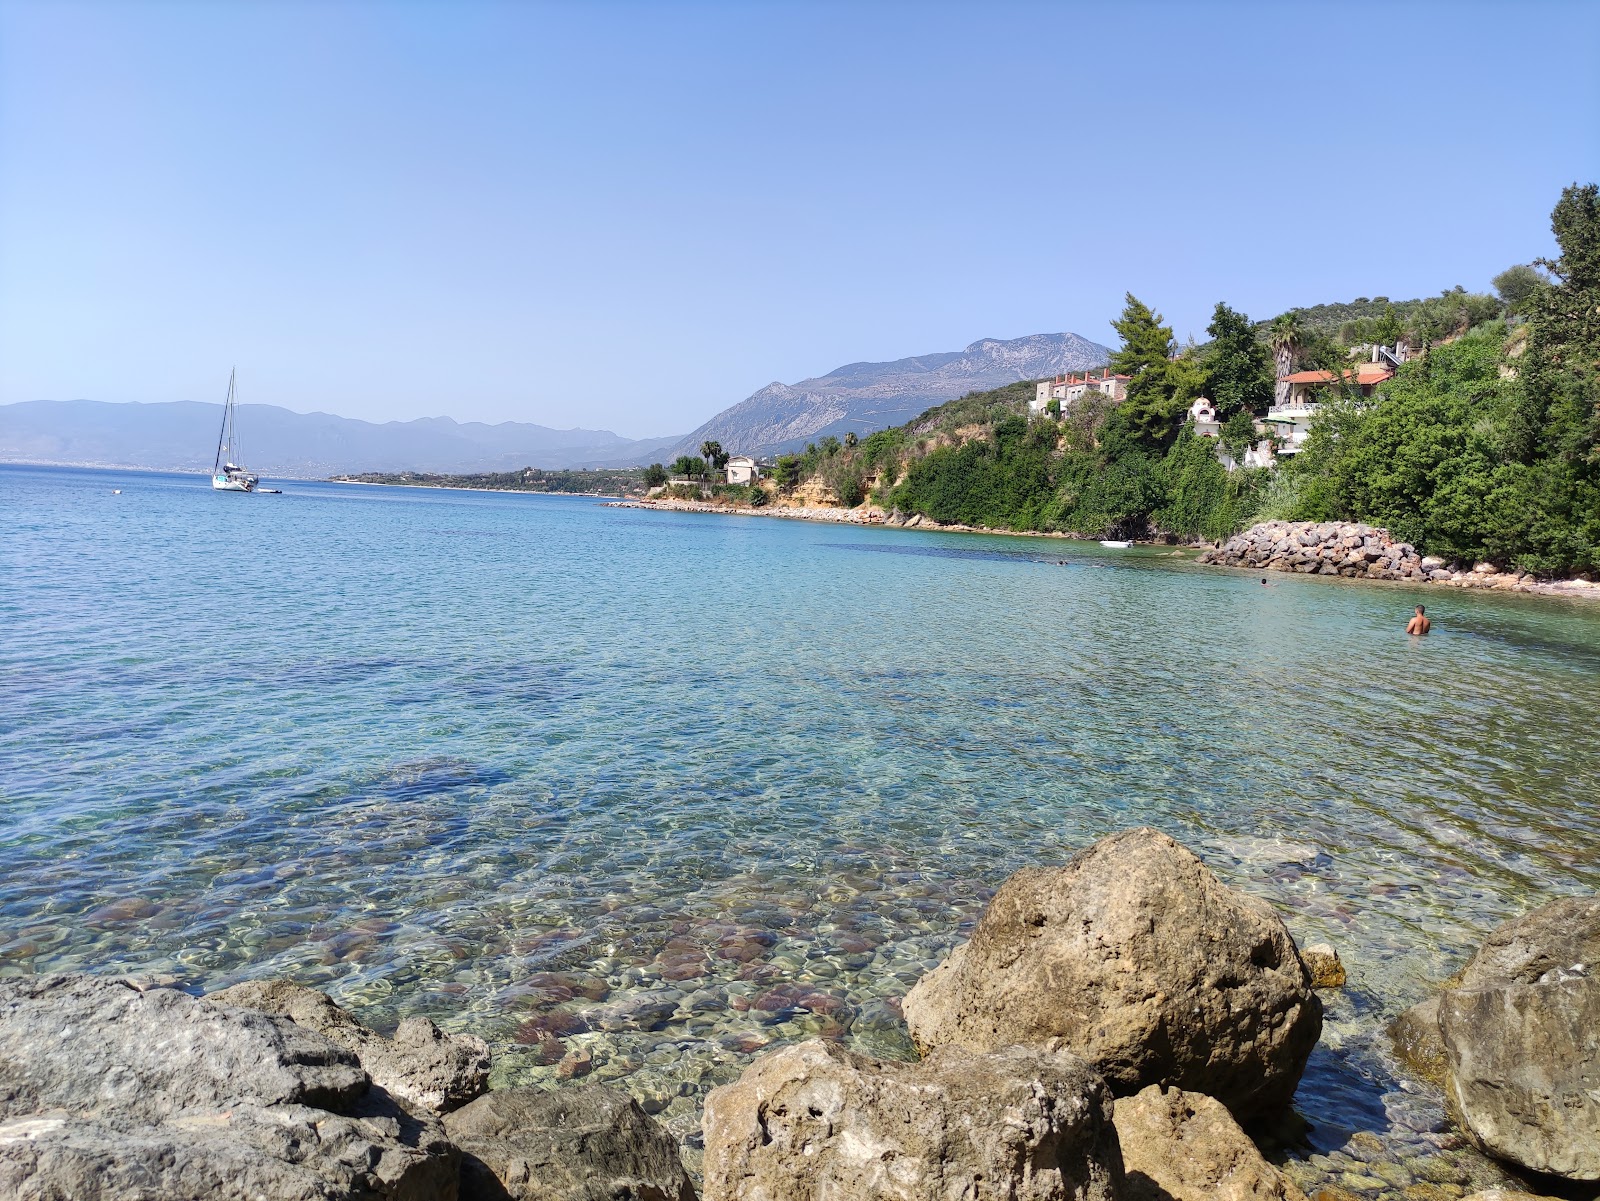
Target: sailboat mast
(222,434)
(233,422)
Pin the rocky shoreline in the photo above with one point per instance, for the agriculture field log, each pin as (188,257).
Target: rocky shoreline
(1364,552)
(1121,1028)
(861,515)
(1336,548)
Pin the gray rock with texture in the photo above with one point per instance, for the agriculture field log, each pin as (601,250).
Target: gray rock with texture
(816,1121)
(110,1090)
(421,1066)
(1144,964)
(577,1143)
(1521,1039)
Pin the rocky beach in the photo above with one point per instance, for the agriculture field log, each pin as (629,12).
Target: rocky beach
(1123,1027)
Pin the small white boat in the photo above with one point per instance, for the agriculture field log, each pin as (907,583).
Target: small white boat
(1115,545)
(226,475)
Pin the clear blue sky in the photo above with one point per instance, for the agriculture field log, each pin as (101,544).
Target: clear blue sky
(629,216)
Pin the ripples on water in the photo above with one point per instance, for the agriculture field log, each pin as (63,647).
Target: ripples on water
(672,789)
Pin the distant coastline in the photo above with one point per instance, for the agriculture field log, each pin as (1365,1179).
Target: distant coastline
(469,488)
(606,483)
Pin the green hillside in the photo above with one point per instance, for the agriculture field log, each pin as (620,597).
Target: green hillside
(1486,447)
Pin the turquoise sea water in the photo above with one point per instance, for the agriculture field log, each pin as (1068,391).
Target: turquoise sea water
(668,788)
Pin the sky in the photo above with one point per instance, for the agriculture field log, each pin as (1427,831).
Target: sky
(629,216)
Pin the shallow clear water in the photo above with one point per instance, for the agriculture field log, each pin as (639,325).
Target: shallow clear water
(670,787)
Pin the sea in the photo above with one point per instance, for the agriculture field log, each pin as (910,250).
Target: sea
(637,795)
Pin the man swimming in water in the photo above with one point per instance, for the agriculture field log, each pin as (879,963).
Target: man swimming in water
(1419,624)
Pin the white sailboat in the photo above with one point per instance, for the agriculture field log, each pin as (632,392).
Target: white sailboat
(226,475)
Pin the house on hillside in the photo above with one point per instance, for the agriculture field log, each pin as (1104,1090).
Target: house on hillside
(1307,389)
(1203,416)
(1067,388)
(742,469)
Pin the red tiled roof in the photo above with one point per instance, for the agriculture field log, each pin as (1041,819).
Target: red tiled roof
(1364,374)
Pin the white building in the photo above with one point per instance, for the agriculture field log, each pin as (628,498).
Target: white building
(742,469)
(1204,415)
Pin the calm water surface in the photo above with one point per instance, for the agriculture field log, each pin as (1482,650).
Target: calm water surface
(672,787)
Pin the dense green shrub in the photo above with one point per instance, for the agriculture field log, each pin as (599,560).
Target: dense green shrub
(1200,498)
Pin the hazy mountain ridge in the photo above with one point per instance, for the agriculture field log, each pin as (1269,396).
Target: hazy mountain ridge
(871,396)
(182,436)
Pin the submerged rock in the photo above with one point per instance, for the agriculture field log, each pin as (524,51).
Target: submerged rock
(578,1143)
(1179,1146)
(1325,966)
(1521,1040)
(421,1066)
(110,1090)
(1417,1042)
(814,1120)
(1145,965)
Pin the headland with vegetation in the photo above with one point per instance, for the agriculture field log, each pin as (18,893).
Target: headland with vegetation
(627,481)
(1481,445)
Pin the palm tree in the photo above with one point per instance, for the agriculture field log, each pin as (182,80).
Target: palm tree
(1286,336)
(711,452)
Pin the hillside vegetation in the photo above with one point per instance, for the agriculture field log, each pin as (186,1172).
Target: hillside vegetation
(1486,447)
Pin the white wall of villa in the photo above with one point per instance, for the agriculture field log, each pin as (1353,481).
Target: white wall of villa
(742,469)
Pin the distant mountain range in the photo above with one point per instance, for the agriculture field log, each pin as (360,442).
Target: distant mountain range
(864,397)
(182,436)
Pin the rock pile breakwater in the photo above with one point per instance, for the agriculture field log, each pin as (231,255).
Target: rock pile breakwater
(1366,552)
(1322,548)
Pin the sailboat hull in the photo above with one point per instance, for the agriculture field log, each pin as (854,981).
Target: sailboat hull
(224,483)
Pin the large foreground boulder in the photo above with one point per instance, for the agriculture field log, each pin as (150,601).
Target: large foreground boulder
(421,1066)
(1179,1146)
(112,1091)
(816,1121)
(578,1143)
(1517,1039)
(1144,964)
